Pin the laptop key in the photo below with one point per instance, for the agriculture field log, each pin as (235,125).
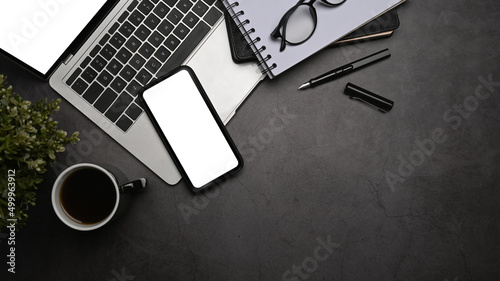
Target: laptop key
(146,50)
(152,21)
(137,62)
(123,55)
(123,17)
(89,75)
(73,77)
(108,52)
(94,51)
(212,16)
(93,92)
(156,39)
(145,6)
(98,63)
(184,5)
(133,88)
(162,54)
(133,5)
(113,28)
(133,44)
(118,84)
(85,62)
(105,100)
(124,123)
(174,16)
(220,5)
(142,33)
(104,39)
(161,10)
(126,29)
(143,77)
(187,46)
(136,18)
(118,107)
(105,78)
(165,28)
(153,65)
(114,66)
(117,40)
(200,9)
(181,31)
(133,111)
(172,42)
(79,86)
(128,73)
(190,20)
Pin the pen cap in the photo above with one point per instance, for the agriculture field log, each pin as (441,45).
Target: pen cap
(358,93)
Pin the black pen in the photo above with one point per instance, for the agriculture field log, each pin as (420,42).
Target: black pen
(345,69)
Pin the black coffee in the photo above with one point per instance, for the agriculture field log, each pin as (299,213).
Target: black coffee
(88,195)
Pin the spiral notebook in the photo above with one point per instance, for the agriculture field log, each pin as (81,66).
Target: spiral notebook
(382,27)
(256,20)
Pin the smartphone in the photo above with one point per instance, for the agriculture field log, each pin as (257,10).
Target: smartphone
(191,129)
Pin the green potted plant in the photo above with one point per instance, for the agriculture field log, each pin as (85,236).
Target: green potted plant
(29,141)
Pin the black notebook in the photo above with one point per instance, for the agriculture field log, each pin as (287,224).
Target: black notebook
(381,27)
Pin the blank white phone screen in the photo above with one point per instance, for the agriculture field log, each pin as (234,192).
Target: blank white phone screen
(190,128)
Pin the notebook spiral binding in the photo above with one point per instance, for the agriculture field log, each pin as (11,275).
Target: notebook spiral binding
(268,57)
(266,69)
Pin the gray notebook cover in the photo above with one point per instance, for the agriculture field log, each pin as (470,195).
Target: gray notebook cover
(333,24)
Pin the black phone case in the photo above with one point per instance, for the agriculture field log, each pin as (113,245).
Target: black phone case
(220,124)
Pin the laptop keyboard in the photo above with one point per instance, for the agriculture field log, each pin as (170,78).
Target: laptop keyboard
(150,38)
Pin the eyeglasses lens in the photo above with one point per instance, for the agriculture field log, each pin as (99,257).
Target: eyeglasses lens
(300,25)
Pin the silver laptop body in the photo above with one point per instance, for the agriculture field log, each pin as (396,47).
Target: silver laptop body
(226,83)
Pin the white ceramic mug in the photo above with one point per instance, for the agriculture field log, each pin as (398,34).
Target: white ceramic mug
(64,215)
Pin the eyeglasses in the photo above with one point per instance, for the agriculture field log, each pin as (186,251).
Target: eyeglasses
(299,23)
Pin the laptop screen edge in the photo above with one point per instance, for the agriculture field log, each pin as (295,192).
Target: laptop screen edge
(78,41)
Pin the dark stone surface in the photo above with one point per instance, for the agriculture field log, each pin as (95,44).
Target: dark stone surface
(334,172)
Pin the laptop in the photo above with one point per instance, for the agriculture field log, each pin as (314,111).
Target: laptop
(98,54)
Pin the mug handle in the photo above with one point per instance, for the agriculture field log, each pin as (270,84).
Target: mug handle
(133,186)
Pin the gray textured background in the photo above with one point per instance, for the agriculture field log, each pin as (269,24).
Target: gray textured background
(333,171)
